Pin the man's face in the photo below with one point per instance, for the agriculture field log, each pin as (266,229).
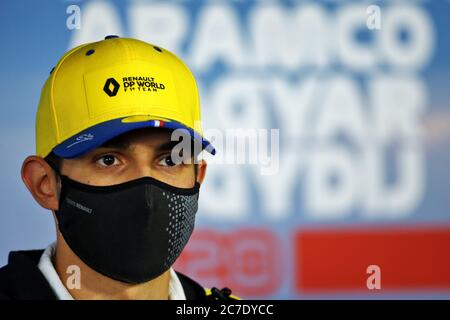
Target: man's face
(142,152)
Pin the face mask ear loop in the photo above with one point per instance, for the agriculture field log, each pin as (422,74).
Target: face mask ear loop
(58,175)
(54,168)
(195,172)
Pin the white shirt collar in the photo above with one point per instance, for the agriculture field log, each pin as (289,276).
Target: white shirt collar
(176,291)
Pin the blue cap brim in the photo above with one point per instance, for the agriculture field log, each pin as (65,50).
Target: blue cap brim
(95,136)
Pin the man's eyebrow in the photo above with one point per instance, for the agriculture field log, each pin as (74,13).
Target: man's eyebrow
(115,144)
(167,146)
(125,145)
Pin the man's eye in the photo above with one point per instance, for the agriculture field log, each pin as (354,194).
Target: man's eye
(168,162)
(107,160)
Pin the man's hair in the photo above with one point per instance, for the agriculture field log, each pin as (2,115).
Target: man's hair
(54,161)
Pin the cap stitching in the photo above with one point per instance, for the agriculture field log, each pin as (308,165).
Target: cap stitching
(52,103)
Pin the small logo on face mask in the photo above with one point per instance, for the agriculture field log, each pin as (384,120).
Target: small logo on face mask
(111,87)
(78,205)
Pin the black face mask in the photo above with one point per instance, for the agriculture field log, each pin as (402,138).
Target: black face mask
(132,232)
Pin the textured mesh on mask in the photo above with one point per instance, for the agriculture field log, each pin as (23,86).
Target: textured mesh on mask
(182,209)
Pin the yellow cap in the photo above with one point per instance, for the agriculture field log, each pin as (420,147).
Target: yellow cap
(102,89)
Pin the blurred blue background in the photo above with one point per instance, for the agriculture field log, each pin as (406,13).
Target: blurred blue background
(361,102)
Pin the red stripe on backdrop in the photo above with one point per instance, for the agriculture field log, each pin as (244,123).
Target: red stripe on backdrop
(248,260)
(337,260)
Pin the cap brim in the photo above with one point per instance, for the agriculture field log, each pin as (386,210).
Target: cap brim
(95,136)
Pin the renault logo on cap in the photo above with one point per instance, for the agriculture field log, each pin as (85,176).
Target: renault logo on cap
(111,87)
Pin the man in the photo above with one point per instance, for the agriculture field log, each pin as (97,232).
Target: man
(124,202)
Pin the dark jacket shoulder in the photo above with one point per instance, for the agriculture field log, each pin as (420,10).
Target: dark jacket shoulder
(21,279)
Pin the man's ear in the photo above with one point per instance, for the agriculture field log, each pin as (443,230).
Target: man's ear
(41,181)
(201,171)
